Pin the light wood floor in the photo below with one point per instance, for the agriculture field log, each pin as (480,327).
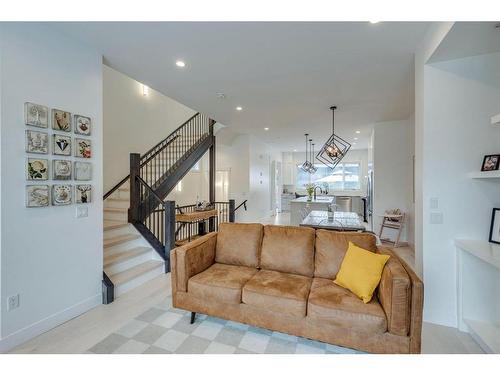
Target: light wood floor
(83,332)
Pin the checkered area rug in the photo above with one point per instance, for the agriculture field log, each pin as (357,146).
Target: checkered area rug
(165,330)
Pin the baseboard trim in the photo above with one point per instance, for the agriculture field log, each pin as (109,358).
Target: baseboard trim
(24,334)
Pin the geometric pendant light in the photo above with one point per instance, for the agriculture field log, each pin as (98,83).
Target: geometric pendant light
(306,166)
(312,168)
(334,148)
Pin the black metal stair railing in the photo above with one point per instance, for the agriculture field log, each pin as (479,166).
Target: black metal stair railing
(155,174)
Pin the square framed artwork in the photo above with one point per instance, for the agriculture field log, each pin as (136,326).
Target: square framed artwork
(37,196)
(36,115)
(490,163)
(495,226)
(37,142)
(83,171)
(83,148)
(61,169)
(83,125)
(61,145)
(37,169)
(83,193)
(61,120)
(61,195)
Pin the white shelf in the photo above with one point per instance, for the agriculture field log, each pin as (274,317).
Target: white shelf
(487,252)
(488,174)
(487,335)
(495,120)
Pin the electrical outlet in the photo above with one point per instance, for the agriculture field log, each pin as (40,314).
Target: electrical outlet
(82,211)
(12,302)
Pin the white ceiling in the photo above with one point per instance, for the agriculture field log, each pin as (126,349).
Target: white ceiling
(285,75)
(468,39)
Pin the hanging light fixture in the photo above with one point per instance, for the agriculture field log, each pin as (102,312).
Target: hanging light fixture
(334,148)
(312,168)
(306,165)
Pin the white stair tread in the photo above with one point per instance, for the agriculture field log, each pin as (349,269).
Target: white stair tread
(131,273)
(121,256)
(114,224)
(108,242)
(113,209)
(117,199)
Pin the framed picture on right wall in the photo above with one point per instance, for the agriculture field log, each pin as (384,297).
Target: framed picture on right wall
(495,226)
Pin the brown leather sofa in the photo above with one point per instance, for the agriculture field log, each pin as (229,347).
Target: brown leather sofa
(280,278)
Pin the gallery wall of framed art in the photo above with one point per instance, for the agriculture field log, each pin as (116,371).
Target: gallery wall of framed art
(52,153)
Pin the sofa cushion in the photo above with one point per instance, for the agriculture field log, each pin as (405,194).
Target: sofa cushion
(221,282)
(277,291)
(288,249)
(239,244)
(331,247)
(334,304)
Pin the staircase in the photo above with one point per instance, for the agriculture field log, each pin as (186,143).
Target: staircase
(129,260)
(139,227)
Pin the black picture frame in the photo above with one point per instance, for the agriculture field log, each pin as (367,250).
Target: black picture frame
(495,215)
(497,163)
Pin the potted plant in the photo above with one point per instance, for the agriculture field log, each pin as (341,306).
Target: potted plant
(310,191)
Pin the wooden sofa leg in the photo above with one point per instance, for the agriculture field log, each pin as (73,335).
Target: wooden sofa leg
(193,317)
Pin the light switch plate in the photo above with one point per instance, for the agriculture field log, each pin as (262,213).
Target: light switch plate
(437,218)
(82,211)
(434,203)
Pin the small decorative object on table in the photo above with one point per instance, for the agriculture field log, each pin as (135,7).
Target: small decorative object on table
(203,206)
(310,191)
(490,163)
(495,226)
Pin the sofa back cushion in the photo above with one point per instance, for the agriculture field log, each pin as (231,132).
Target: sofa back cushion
(331,247)
(288,249)
(239,244)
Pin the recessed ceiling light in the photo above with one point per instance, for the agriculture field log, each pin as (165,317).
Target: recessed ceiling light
(180,63)
(239,108)
(353,143)
(374,21)
(266,129)
(355,138)
(294,150)
(358,132)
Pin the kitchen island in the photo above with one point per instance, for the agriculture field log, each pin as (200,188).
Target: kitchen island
(341,221)
(300,207)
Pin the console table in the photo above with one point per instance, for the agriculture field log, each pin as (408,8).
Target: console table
(478,298)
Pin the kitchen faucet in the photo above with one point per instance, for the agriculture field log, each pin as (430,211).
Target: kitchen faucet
(320,191)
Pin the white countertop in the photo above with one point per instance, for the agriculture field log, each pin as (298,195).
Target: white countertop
(487,252)
(319,200)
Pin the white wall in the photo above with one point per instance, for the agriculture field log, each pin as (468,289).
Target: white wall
(434,36)
(248,160)
(392,172)
(49,257)
(133,122)
(460,96)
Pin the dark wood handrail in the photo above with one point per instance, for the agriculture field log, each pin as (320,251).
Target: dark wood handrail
(244,203)
(151,191)
(117,186)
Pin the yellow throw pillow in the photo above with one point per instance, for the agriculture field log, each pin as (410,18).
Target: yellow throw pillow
(360,271)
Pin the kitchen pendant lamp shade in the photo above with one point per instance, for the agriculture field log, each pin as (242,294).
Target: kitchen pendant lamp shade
(334,148)
(306,165)
(312,168)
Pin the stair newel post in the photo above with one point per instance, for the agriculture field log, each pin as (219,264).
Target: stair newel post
(135,195)
(169,212)
(211,191)
(232,213)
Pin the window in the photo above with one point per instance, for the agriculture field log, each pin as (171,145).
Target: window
(345,176)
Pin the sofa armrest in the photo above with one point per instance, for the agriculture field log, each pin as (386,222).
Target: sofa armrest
(191,259)
(401,293)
